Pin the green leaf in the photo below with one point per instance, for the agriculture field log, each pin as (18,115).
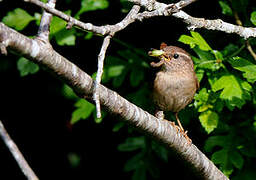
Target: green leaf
(137,75)
(115,70)
(68,92)
(118,126)
(253,17)
(236,159)
(230,49)
(200,41)
(203,95)
(232,91)
(57,24)
(141,97)
(26,67)
(88,36)
(203,55)
(134,163)
(201,100)
(222,157)
(92,5)
(213,141)
(225,8)
(139,174)
(218,55)
(18,19)
(126,6)
(249,148)
(248,68)
(132,143)
(84,110)
(200,74)
(60,33)
(188,40)
(161,151)
(118,81)
(209,120)
(65,37)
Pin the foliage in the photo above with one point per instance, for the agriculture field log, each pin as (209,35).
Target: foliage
(26,67)
(92,5)
(224,105)
(18,19)
(142,163)
(229,84)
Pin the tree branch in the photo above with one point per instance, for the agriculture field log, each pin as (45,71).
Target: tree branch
(44,27)
(247,43)
(43,54)
(216,24)
(25,168)
(159,9)
(102,30)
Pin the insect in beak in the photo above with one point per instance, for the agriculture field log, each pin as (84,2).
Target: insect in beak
(156,53)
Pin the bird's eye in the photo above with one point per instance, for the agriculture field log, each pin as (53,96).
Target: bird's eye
(175,56)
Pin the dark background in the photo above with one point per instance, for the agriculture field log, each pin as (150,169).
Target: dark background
(37,116)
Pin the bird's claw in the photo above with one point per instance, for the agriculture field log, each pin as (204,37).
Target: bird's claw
(179,130)
(184,133)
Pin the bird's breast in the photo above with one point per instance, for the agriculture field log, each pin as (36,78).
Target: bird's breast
(173,90)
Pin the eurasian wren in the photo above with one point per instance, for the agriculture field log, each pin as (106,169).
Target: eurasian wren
(176,83)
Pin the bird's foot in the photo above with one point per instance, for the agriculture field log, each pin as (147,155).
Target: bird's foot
(175,126)
(184,133)
(179,130)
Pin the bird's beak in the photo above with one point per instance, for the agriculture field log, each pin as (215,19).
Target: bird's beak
(156,53)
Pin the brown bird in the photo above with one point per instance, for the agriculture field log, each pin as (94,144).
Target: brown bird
(175,84)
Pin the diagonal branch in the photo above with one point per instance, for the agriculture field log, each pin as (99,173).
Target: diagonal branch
(25,168)
(43,54)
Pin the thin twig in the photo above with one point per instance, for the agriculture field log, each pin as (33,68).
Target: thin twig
(44,27)
(237,52)
(249,47)
(101,58)
(25,168)
(247,43)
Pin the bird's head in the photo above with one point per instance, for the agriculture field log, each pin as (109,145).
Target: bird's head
(171,57)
